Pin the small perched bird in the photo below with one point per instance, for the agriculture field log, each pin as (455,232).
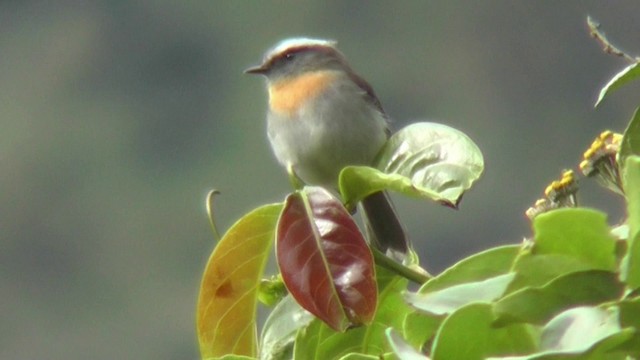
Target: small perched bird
(323,117)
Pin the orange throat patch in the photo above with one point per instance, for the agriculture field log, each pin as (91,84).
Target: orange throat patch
(288,95)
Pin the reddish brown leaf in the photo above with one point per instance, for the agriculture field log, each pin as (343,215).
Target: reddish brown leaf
(325,262)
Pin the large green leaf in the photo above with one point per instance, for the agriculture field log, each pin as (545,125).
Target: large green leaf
(537,270)
(538,304)
(324,259)
(319,342)
(226,311)
(631,179)
(423,159)
(565,241)
(419,326)
(452,298)
(480,266)
(580,233)
(623,77)
(357,182)
(469,334)
(585,333)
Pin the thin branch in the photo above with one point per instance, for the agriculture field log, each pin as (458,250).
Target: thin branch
(607,47)
(406,272)
(209,206)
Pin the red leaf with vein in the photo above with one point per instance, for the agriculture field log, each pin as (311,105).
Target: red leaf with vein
(325,262)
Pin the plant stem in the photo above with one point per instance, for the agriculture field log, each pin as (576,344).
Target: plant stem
(404,271)
(209,207)
(295,181)
(607,47)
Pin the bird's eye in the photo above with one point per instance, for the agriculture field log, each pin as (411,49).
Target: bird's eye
(289,56)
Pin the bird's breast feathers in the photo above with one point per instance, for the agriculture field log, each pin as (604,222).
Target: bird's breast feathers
(287,96)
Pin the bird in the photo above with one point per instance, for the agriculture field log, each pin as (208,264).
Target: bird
(321,117)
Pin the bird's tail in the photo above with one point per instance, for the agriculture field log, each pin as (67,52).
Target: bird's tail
(383,226)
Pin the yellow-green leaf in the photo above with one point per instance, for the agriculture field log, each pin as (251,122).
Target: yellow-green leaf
(226,312)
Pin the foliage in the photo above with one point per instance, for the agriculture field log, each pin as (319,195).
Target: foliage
(570,291)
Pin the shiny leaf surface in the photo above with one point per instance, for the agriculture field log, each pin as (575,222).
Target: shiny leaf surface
(581,333)
(357,182)
(577,329)
(450,299)
(538,304)
(324,260)
(434,157)
(480,266)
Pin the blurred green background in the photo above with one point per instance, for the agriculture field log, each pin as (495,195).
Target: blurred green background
(118,116)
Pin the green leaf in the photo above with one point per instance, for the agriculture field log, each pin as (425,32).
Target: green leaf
(357,182)
(480,266)
(585,333)
(226,311)
(577,329)
(630,144)
(419,327)
(631,180)
(630,313)
(576,232)
(357,356)
(538,304)
(280,329)
(401,349)
(325,262)
(469,334)
(629,316)
(319,342)
(566,241)
(537,270)
(450,299)
(429,160)
(623,77)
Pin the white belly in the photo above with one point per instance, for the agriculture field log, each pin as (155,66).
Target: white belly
(327,135)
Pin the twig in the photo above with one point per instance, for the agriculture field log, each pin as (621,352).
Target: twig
(407,273)
(607,47)
(209,206)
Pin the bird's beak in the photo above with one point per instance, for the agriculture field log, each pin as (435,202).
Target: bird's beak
(260,69)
